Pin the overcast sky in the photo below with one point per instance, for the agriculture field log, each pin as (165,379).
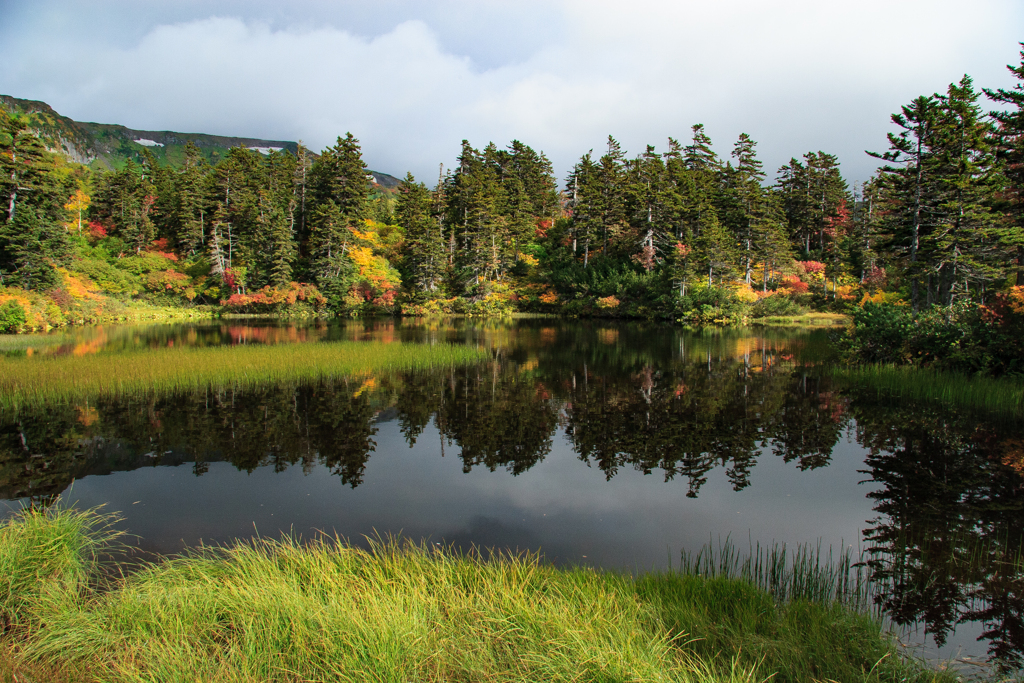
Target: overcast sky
(412,78)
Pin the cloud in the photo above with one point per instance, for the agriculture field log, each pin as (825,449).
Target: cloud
(412,79)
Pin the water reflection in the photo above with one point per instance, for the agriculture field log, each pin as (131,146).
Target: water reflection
(946,489)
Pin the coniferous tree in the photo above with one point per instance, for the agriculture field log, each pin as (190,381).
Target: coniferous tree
(743,200)
(1009,146)
(192,190)
(585,205)
(339,175)
(125,202)
(961,248)
(425,243)
(613,205)
(908,186)
(21,162)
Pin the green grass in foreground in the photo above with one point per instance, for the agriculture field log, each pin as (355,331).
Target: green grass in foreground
(995,395)
(68,378)
(325,611)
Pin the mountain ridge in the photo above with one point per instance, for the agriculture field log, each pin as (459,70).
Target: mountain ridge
(104,146)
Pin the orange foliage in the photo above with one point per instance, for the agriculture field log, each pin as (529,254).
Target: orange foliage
(80,286)
(792,284)
(273,296)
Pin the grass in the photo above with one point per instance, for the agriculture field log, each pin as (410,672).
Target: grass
(285,611)
(69,378)
(812,319)
(993,395)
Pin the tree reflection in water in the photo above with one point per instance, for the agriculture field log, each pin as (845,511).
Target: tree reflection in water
(944,547)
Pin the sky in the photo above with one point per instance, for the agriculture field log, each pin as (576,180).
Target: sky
(411,79)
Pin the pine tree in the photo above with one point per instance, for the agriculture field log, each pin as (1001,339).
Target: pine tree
(961,247)
(908,187)
(611,186)
(1009,147)
(30,246)
(339,175)
(425,245)
(21,162)
(192,189)
(742,200)
(125,202)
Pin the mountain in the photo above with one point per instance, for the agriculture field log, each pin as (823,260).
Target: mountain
(106,146)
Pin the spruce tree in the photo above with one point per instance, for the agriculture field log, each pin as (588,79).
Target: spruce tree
(1008,138)
(339,175)
(425,243)
(22,169)
(961,247)
(192,191)
(908,187)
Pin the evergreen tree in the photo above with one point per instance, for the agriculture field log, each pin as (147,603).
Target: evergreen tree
(743,200)
(426,248)
(586,205)
(908,186)
(192,190)
(1009,146)
(125,203)
(30,246)
(611,185)
(339,175)
(22,169)
(961,249)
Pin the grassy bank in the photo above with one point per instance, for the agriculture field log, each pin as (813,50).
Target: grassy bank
(281,611)
(1001,396)
(812,319)
(78,378)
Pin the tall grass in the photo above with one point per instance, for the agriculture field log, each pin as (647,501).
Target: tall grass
(801,574)
(48,558)
(803,615)
(285,611)
(68,378)
(994,395)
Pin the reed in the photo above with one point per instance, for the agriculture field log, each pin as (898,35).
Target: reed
(803,614)
(1002,395)
(281,610)
(805,573)
(64,379)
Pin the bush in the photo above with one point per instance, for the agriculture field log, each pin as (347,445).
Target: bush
(965,337)
(776,304)
(879,332)
(711,306)
(12,317)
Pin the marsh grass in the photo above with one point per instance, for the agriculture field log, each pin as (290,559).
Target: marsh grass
(803,614)
(65,379)
(812,319)
(20,342)
(804,573)
(1003,396)
(281,610)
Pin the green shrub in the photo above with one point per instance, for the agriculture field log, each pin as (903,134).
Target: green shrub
(776,304)
(879,333)
(108,277)
(12,317)
(710,306)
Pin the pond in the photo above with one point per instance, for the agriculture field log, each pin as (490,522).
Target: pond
(612,445)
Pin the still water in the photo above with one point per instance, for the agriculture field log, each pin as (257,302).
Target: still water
(616,446)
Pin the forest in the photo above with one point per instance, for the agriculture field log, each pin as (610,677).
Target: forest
(680,233)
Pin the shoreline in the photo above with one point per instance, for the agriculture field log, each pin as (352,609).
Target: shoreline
(324,610)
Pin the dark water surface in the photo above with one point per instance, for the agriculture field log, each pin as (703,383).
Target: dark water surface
(616,446)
